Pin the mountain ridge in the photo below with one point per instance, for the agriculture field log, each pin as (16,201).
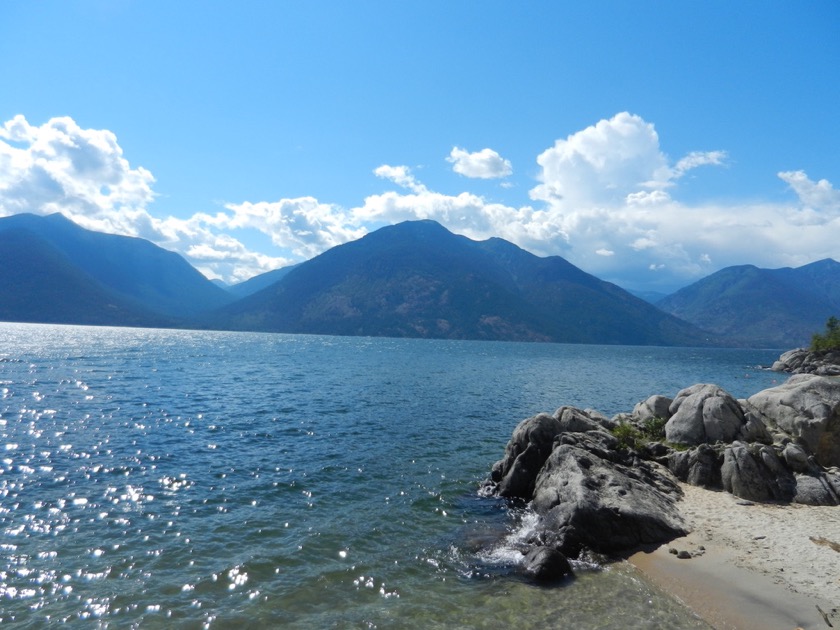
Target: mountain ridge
(763,307)
(418,279)
(134,269)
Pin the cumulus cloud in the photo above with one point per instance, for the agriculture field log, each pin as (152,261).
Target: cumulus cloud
(603,163)
(62,167)
(401,176)
(484,164)
(82,173)
(820,196)
(606,198)
(303,225)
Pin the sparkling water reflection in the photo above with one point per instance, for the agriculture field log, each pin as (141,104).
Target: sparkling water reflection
(159,478)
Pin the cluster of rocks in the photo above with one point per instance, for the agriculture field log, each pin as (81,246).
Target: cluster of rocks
(803,361)
(597,491)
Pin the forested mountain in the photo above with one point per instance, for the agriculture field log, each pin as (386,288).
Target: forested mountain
(134,270)
(39,284)
(417,279)
(777,308)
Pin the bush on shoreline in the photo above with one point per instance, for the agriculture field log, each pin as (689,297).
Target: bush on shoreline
(830,340)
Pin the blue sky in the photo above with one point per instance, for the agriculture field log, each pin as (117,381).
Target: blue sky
(649,143)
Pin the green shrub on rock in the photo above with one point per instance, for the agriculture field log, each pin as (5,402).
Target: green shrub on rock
(830,340)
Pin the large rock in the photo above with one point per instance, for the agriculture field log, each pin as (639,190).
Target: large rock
(802,361)
(807,407)
(526,452)
(704,413)
(604,500)
(546,564)
(818,488)
(756,473)
(656,406)
(699,466)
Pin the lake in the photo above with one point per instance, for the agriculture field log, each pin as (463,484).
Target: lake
(160,478)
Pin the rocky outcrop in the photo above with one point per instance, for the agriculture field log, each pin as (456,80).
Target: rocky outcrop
(610,485)
(803,361)
(608,501)
(590,493)
(703,414)
(807,408)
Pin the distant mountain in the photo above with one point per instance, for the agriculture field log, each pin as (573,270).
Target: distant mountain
(39,284)
(778,308)
(258,283)
(652,297)
(133,270)
(417,279)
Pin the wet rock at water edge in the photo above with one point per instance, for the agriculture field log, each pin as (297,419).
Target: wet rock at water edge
(546,564)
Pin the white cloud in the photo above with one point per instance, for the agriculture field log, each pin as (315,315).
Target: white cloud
(699,158)
(304,225)
(82,173)
(603,164)
(400,175)
(607,199)
(484,164)
(62,167)
(820,196)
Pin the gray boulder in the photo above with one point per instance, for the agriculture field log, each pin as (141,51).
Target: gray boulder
(796,457)
(546,564)
(753,429)
(525,453)
(654,407)
(699,466)
(755,472)
(802,361)
(602,500)
(807,407)
(704,413)
(573,420)
(818,488)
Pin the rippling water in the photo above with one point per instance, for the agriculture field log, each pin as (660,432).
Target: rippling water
(160,478)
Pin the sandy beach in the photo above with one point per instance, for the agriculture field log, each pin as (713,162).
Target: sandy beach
(752,565)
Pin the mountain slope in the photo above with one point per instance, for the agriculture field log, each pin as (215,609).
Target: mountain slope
(39,284)
(132,268)
(762,307)
(258,283)
(417,279)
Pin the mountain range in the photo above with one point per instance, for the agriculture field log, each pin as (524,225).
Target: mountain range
(773,308)
(56,271)
(417,279)
(414,279)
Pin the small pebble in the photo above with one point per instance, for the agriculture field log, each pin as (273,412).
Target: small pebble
(683,555)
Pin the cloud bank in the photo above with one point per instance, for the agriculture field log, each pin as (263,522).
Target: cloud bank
(605,197)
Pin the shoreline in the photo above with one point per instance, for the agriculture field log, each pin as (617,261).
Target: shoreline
(752,565)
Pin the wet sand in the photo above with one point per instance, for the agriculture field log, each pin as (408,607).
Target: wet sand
(762,566)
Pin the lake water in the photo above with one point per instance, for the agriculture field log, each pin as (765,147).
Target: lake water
(158,478)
